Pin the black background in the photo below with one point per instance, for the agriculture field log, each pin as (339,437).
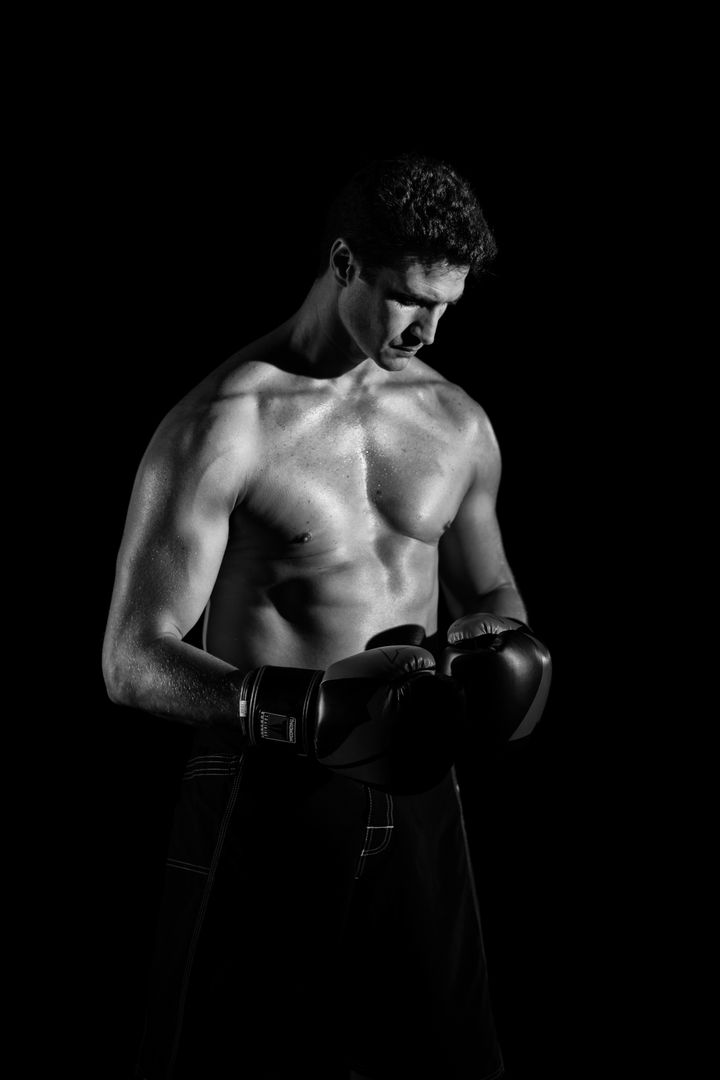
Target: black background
(193,237)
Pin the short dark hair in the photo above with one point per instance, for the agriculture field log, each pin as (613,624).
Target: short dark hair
(409,208)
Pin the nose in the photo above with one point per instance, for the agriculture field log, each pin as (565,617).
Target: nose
(425,326)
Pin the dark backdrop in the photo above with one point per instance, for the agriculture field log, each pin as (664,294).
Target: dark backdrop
(195,240)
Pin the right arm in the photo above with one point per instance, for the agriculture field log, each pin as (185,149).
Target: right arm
(190,479)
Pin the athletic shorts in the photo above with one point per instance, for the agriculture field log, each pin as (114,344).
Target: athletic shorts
(310,924)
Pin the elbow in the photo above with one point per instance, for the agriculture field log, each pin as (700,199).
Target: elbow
(116,683)
(117,669)
(117,692)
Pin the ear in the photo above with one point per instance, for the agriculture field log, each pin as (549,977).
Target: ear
(343,264)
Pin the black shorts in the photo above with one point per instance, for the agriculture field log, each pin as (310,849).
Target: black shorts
(310,924)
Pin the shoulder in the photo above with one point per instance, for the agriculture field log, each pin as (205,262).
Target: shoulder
(460,412)
(220,412)
(209,437)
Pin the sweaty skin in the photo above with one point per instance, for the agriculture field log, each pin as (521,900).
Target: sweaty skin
(337,537)
(311,493)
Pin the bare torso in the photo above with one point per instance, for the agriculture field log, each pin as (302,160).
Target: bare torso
(335,538)
(305,500)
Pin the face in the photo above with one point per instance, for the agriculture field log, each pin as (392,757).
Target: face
(392,317)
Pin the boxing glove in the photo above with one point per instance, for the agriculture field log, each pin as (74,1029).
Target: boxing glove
(383,717)
(504,672)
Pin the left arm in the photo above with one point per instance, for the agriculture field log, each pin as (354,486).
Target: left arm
(474,571)
(503,668)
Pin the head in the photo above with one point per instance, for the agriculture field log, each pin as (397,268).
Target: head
(392,312)
(400,240)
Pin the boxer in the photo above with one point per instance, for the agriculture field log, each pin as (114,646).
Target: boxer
(309,500)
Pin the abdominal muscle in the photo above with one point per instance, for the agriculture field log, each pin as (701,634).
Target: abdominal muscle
(289,615)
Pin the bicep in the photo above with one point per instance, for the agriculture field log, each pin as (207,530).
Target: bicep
(173,544)
(472,557)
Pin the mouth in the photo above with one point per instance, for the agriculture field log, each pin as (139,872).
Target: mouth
(408,350)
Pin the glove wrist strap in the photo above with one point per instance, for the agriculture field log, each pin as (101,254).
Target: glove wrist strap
(276,704)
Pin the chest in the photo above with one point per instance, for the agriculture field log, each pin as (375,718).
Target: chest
(370,467)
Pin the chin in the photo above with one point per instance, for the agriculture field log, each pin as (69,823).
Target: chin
(391,360)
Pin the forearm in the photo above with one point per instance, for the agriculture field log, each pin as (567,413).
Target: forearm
(170,678)
(504,600)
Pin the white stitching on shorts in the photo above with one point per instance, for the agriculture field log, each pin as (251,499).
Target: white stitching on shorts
(211,765)
(180,864)
(370,830)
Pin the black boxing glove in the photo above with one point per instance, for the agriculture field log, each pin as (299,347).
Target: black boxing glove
(504,672)
(384,717)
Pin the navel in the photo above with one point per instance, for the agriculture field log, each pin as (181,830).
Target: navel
(301,538)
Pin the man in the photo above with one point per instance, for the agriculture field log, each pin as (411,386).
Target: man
(311,497)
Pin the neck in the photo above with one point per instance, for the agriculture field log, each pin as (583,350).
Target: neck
(319,341)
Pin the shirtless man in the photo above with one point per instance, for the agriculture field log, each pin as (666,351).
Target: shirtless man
(310,497)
